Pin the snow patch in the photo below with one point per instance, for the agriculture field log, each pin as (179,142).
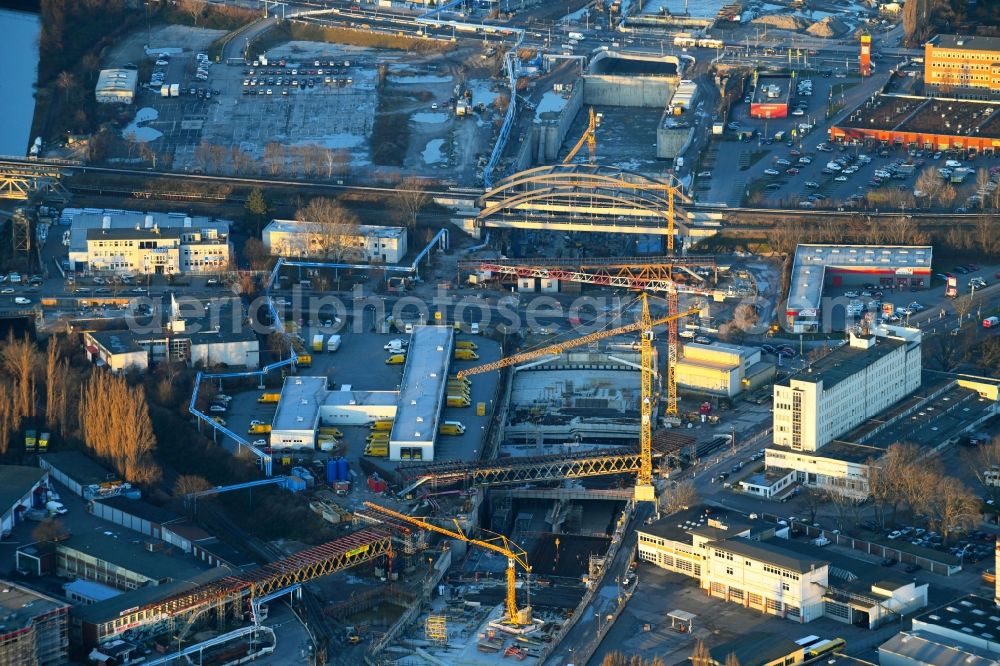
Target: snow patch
(429,117)
(432,153)
(416,80)
(481,93)
(142,134)
(551,101)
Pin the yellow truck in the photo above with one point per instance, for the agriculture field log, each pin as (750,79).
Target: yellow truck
(451,428)
(269,397)
(382,425)
(456,378)
(377,449)
(396,359)
(331,431)
(305,360)
(458,388)
(259,429)
(458,401)
(466,344)
(466,355)
(377,437)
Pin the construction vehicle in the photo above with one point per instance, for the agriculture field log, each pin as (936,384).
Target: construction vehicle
(498,543)
(259,429)
(269,398)
(645,324)
(589,137)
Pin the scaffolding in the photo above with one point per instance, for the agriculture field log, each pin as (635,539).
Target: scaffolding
(436,629)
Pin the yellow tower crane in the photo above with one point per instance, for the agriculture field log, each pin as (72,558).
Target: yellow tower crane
(589,137)
(498,543)
(645,324)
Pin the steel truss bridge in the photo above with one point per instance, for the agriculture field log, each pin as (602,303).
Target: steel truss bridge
(582,197)
(21,181)
(331,557)
(536,468)
(659,274)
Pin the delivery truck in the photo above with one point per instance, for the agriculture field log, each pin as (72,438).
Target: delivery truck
(269,398)
(317,345)
(333,344)
(175,90)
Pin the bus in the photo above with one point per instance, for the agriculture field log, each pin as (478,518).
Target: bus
(825,648)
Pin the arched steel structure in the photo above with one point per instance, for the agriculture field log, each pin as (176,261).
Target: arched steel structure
(582,197)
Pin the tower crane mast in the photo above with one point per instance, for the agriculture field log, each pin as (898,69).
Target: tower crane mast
(498,543)
(645,324)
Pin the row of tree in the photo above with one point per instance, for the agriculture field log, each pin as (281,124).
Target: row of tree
(102,411)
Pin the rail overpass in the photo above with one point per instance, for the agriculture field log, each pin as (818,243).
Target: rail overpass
(581,197)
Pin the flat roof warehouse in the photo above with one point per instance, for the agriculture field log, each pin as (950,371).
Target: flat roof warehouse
(813,261)
(422,389)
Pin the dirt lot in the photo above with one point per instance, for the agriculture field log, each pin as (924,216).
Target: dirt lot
(372,113)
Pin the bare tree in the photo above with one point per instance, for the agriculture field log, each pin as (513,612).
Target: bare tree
(982,182)
(951,506)
(20,358)
(732,660)
(681,495)
(962,305)
(274,155)
(116,427)
(66,82)
(813,499)
(700,656)
(946,197)
(929,182)
(333,229)
(409,199)
(190,483)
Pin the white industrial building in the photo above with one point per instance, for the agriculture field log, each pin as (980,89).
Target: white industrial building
(853,383)
(293,238)
(297,417)
(357,407)
(116,86)
(124,241)
(721,369)
(422,393)
(217,337)
(752,563)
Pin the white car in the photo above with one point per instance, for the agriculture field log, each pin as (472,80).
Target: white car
(218,409)
(771,172)
(260,442)
(805,160)
(851,294)
(841,179)
(7,290)
(256,422)
(21,300)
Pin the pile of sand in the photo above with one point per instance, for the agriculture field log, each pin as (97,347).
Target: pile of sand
(782,21)
(831,26)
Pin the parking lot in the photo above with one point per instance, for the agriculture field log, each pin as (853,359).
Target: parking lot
(360,362)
